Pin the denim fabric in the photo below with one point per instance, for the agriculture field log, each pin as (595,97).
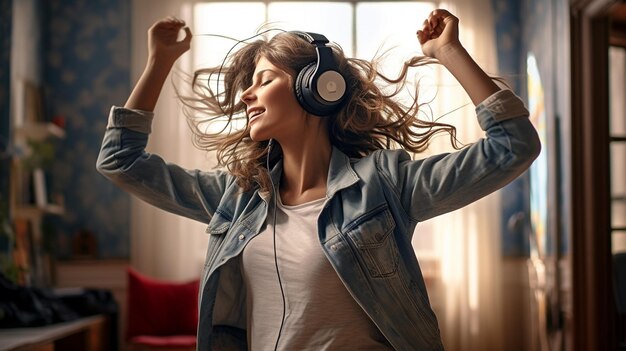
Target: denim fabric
(373,205)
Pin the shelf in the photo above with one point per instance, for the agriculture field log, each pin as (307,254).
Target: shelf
(86,333)
(32,211)
(39,131)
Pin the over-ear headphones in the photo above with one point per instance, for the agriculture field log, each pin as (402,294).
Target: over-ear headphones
(320,87)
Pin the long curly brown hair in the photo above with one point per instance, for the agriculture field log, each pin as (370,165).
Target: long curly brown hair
(371,118)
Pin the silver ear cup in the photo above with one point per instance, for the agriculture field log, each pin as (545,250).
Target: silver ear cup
(331,86)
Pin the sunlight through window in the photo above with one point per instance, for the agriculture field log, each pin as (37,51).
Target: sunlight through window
(332,19)
(363,29)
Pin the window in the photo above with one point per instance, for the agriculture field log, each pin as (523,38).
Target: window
(360,28)
(617,61)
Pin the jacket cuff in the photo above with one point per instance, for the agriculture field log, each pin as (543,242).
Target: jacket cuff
(501,105)
(135,120)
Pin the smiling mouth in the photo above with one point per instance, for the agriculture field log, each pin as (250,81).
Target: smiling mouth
(256,115)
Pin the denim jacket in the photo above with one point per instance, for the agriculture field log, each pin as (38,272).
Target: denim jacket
(372,207)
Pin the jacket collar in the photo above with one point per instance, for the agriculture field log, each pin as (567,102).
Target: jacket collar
(340,173)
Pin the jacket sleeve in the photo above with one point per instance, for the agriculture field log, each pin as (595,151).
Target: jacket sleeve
(124,161)
(443,183)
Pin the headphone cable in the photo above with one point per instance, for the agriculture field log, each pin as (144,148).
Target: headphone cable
(282,292)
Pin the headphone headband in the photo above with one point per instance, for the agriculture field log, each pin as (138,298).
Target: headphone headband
(312,38)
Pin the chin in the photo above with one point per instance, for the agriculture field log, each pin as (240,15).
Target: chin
(258,137)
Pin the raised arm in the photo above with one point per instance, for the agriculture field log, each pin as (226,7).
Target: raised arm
(442,183)
(164,49)
(123,159)
(439,38)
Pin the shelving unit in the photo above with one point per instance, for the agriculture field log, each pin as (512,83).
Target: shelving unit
(38,131)
(28,211)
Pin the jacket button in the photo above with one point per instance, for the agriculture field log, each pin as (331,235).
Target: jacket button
(241,237)
(333,247)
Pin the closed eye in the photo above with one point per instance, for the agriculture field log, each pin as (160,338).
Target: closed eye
(266,83)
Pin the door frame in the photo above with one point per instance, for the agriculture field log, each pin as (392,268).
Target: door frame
(593,305)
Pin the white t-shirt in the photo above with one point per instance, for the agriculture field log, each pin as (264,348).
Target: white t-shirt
(320,313)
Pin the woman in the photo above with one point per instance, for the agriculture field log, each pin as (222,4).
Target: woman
(311,222)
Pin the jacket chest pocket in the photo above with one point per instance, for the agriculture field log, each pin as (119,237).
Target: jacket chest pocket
(373,238)
(217,229)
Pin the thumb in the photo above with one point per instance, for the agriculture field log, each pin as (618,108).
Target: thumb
(188,35)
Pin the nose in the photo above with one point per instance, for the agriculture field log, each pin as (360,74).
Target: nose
(248,96)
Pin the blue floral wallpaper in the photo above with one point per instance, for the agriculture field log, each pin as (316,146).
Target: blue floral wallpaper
(514,197)
(508,24)
(86,70)
(546,36)
(540,27)
(5,65)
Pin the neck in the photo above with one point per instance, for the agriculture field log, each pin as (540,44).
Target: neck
(306,160)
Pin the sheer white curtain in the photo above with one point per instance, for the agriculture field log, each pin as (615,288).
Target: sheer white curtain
(164,245)
(468,240)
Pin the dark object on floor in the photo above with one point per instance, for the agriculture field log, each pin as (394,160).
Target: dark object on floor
(30,307)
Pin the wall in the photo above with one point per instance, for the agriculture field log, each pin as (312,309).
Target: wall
(515,223)
(540,27)
(86,70)
(6,11)
(80,52)
(515,199)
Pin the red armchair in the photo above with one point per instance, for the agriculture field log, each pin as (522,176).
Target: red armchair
(162,315)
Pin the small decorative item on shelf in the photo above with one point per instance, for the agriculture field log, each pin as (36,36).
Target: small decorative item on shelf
(58,121)
(35,159)
(7,244)
(23,254)
(84,245)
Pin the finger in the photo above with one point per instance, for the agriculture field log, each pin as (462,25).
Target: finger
(188,35)
(421,36)
(439,28)
(438,16)
(440,13)
(426,26)
(450,18)
(435,19)
(173,21)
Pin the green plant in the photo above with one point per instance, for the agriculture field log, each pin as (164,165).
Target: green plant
(40,155)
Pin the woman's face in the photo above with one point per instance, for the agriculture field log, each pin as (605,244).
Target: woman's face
(272,109)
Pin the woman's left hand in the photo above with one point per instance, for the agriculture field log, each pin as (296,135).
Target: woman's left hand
(439,30)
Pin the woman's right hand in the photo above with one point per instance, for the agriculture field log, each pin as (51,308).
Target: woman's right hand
(164,49)
(163,43)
